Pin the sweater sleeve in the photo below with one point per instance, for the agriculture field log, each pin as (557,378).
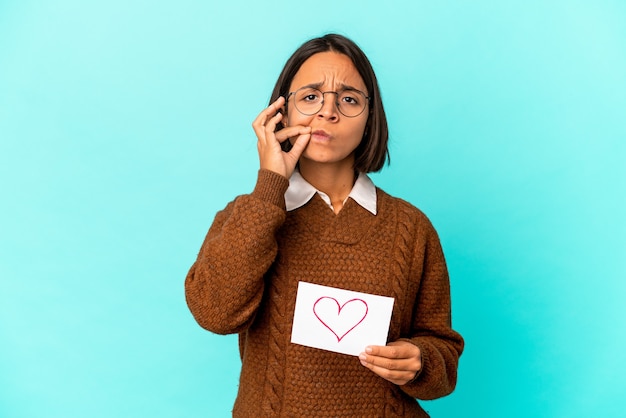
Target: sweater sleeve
(432,332)
(225,285)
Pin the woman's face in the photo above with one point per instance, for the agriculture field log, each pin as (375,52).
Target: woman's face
(334,136)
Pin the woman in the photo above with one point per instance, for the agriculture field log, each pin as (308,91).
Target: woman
(315,216)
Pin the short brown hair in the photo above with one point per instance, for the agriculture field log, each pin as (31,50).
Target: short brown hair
(372,152)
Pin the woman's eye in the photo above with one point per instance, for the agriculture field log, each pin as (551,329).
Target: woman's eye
(350,100)
(310,97)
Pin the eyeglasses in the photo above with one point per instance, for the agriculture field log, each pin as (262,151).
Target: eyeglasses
(309,101)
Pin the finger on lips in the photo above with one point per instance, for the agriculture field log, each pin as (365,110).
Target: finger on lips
(266,122)
(292,131)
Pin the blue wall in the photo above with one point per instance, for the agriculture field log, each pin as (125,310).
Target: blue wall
(124,127)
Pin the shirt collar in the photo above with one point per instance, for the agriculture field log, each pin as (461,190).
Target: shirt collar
(301,191)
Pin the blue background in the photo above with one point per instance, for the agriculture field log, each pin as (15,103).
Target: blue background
(125,126)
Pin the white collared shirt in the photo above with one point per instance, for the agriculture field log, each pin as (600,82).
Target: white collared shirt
(301,191)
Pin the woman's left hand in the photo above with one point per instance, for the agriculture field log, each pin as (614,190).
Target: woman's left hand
(397,362)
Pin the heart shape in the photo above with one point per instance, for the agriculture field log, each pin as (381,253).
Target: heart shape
(340,319)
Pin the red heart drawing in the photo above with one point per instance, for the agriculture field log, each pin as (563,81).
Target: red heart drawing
(347,317)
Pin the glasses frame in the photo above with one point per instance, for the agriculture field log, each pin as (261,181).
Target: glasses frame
(336,93)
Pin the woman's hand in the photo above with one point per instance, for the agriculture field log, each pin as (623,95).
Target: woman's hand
(397,362)
(271,155)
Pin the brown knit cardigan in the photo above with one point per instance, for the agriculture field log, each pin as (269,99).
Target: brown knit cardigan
(245,280)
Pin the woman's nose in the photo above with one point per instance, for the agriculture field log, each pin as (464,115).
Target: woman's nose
(329,108)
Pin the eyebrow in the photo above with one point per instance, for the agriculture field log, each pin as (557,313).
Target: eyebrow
(341,85)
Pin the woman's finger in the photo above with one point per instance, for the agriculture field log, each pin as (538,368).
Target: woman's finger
(297,149)
(268,112)
(291,131)
(261,120)
(270,125)
(398,377)
(398,362)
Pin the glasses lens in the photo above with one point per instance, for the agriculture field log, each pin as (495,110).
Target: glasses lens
(350,103)
(309,100)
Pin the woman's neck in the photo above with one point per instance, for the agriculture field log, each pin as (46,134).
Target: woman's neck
(335,180)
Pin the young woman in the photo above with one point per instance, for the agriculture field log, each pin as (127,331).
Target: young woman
(315,216)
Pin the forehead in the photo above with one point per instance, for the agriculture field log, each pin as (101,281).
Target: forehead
(331,69)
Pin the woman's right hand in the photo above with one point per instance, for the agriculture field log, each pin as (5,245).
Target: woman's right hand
(271,155)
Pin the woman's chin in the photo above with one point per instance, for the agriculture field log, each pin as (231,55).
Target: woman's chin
(312,156)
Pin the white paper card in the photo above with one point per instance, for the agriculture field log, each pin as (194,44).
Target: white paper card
(340,320)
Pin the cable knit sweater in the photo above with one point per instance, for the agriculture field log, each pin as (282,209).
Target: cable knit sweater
(245,281)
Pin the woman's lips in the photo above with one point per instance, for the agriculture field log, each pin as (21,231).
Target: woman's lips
(320,135)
